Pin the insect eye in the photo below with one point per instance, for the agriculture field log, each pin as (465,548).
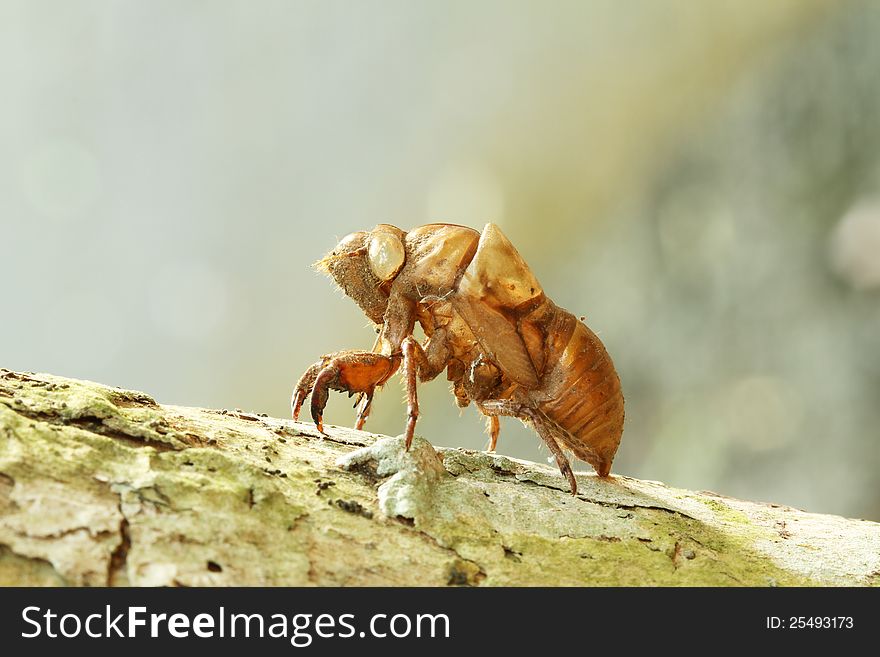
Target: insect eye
(386,256)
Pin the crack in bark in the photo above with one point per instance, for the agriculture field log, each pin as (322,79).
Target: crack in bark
(462,571)
(526,478)
(611,505)
(163,500)
(338,441)
(119,558)
(97,425)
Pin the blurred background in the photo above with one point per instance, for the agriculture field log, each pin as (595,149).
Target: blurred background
(700,179)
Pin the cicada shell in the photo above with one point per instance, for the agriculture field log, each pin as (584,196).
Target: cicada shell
(505,346)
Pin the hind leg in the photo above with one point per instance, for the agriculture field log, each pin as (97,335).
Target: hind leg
(493,428)
(543,427)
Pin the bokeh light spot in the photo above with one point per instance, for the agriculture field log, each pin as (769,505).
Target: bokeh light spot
(855,245)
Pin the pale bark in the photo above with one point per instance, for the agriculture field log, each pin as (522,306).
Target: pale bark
(100,485)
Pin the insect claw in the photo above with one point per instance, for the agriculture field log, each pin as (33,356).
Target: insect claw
(410,430)
(572,482)
(296,405)
(304,387)
(364,405)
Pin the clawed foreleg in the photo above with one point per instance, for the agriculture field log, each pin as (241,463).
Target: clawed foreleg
(345,371)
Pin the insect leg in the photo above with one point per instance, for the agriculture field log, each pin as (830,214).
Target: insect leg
(432,358)
(420,364)
(542,427)
(364,401)
(493,426)
(495,407)
(304,387)
(364,406)
(346,371)
(326,378)
(411,351)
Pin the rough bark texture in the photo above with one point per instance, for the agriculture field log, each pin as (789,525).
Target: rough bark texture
(100,485)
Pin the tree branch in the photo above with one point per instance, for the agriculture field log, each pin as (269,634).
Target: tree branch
(100,485)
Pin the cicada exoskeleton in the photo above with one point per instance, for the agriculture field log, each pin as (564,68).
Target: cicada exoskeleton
(504,345)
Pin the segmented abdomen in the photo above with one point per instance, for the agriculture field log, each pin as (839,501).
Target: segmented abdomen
(583,396)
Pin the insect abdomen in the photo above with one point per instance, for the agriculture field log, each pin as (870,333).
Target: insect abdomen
(584,399)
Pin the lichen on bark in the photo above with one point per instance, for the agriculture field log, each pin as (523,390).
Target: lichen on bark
(104,486)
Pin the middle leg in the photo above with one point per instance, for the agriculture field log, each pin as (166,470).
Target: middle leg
(420,364)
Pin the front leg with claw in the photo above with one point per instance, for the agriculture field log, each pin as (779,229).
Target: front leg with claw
(345,371)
